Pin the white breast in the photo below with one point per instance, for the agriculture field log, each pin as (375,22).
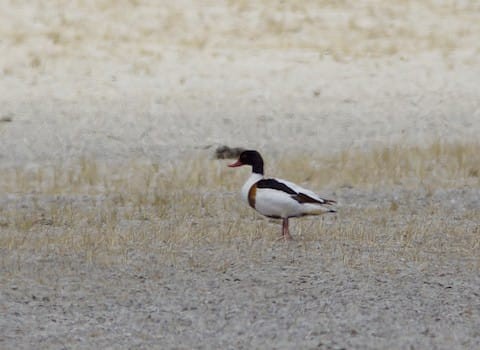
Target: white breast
(248,184)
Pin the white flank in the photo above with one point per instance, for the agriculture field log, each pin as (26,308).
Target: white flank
(270,202)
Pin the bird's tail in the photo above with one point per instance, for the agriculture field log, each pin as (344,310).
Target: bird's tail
(319,210)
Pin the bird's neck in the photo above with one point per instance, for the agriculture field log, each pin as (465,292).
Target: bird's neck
(257,167)
(255,177)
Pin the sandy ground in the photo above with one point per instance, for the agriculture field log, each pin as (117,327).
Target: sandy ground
(66,91)
(277,102)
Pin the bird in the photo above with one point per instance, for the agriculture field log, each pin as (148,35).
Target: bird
(277,198)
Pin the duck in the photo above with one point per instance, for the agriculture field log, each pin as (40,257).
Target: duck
(277,198)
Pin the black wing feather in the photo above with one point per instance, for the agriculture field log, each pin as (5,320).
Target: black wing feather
(299,197)
(276,185)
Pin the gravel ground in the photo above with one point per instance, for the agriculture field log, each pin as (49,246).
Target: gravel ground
(289,298)
(327,293)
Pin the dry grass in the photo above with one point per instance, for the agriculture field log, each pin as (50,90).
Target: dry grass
(439,165)
(107,212)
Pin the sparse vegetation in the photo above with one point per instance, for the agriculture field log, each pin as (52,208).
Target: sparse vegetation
(103,212)
(341,30)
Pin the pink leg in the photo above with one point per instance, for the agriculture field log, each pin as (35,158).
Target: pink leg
(285,231)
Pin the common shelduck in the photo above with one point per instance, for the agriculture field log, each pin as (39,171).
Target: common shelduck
(276,198)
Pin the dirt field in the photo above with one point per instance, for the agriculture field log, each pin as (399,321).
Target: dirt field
(120,229)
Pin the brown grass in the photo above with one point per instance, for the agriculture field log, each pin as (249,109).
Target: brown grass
(106,212)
